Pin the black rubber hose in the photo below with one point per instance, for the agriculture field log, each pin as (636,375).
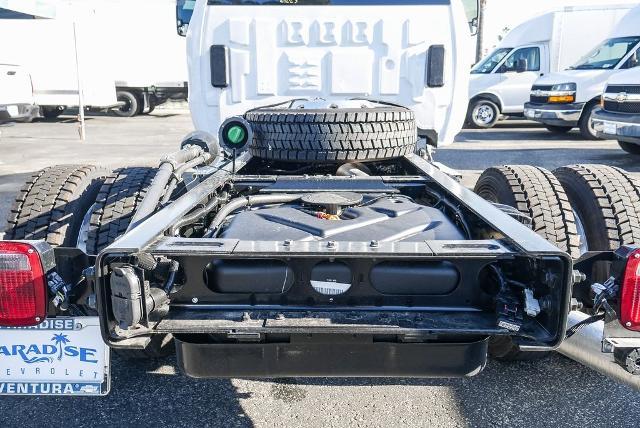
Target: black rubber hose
(241,202)
(157,189)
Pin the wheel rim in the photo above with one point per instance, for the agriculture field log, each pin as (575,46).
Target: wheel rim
(582,234)
(127,104)
(483,114)
(592,130)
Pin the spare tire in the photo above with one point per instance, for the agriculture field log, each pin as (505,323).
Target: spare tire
(332,135)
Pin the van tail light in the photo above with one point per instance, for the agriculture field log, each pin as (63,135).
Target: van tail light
(23,286)
(630,293)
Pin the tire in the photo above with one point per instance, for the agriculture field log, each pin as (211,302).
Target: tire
(116,203)
(482,114)
(558,129)
(52,112)
(52,204)
(131,106)
(586,129)
(536,193)
(630,148)
(607,201)
(332,136)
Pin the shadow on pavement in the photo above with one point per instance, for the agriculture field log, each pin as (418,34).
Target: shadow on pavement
(138,398)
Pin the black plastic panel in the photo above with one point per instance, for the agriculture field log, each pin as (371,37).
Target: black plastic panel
(334,358)
(414,278)
(219,66)
(435,66)
(249,276)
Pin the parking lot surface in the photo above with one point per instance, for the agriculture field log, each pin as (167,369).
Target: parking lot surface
(554,392)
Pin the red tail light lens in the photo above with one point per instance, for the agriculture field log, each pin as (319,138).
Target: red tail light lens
(630,293)
(23,292)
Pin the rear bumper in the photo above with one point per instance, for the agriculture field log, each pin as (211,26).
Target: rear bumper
(617,126)
(18,112)
(307,356)
(554,114)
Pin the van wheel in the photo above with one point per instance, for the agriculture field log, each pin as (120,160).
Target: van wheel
(558,129)
(631,148)
(537,194)
(607,201)
(52,204)
(131,104)
(587,130)
(52,112)
(482,114)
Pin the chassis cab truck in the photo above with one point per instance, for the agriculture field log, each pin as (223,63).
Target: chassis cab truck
(565,100)
(501,83)
(314,236)
(619,115)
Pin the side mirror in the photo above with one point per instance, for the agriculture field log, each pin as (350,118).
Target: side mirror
(522,65)
(182,29)
(473,26)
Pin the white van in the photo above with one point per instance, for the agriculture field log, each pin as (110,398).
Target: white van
(563,101)
(619,115)
(341,51)
(16,95)
(501,83)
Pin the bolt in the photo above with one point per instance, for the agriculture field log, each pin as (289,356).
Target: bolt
(194,300)
(37,319)
(30,251)
(374,244)
(637,256)
(628,324)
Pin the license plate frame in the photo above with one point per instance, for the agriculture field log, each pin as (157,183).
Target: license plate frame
(62,356)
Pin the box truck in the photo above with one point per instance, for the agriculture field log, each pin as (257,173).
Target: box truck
(568,99)
(501,83)
(130,71)
(619,115)
(58,49)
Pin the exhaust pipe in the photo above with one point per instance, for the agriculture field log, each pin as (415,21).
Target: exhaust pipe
(585,347)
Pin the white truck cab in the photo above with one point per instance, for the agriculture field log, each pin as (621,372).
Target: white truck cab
(332,51)
(568,99)
(619,115)
(501,83)
(16,94)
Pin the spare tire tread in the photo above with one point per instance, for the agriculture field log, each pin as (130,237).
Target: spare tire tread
(322,136)
(116,203)
(52,203)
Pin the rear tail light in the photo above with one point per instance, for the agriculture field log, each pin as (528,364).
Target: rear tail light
(23,287)
(630,293)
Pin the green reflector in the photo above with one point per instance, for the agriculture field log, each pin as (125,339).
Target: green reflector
(236,134)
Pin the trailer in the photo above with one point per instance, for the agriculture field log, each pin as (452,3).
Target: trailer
(315,236)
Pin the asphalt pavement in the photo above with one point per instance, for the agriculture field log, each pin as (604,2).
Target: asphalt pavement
(554,392)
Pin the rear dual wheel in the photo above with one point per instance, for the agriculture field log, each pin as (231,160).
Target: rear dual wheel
(537,194)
